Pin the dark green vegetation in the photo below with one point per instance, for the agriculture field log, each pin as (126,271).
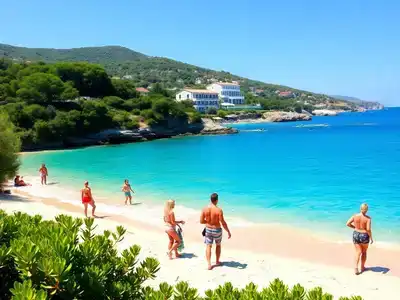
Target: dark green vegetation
(145,71)
(62,259)
(9,147)
(49,103)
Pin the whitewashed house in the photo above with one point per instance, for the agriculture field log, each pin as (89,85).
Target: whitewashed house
(229,92)
(202,99)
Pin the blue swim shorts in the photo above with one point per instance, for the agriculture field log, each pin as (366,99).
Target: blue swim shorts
(213,235)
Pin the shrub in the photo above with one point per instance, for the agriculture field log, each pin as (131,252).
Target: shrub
(9,147)
(211,111)
(62,259)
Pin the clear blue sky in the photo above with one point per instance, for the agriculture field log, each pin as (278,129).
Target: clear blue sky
(345,47)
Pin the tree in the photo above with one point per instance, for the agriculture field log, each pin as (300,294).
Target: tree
(9,148)
(124,89)
(40,88)
(211,111)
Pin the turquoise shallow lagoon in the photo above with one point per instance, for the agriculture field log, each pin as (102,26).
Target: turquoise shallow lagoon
(314,176)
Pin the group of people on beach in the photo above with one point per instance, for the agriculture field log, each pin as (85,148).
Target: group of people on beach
(212,218)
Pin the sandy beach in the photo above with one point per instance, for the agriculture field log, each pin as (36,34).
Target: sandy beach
(256,253)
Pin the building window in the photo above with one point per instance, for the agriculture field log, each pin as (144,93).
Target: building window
(179,96)
(187,96)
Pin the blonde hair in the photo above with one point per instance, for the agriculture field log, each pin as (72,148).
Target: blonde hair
(364,207)
(169,206)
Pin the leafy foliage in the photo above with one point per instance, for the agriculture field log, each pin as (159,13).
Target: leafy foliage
(9,148)
(50,103)
(65,259)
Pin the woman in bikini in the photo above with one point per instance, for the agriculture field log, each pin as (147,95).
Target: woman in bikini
(87,198)
(170,228)
(127,189)
(362,236)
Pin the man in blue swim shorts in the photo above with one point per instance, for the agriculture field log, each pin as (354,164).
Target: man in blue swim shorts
(213,218)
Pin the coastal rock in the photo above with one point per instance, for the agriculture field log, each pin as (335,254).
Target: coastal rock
(325,112)
(211,127)
(281,116)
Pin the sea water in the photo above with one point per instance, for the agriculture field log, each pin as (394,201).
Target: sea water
(312,175)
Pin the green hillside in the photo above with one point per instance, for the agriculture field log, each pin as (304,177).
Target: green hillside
(145,70)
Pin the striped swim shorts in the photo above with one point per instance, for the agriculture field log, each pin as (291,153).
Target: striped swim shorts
(213,235)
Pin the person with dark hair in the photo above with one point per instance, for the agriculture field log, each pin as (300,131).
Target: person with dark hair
(213,218)
(127,189)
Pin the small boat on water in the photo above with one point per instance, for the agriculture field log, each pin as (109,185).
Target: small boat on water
(311,125)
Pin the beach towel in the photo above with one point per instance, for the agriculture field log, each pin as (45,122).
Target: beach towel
(182,245)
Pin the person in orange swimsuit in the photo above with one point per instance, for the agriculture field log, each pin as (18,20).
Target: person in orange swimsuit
(87,198)
(362,236)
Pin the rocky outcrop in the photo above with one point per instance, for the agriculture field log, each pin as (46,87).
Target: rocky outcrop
(212,127)
(281,116)
(325,112)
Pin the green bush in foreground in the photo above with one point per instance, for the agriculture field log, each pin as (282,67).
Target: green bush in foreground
(62,259)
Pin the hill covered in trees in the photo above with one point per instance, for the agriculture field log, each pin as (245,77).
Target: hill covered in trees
(143,70)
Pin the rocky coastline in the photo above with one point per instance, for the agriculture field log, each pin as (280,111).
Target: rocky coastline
(120,136)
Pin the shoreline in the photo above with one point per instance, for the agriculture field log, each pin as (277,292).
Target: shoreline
(279,235)
(291,256)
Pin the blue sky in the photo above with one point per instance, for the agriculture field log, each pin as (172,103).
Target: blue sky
(345,47)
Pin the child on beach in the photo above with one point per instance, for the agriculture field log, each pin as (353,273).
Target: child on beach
(127,189)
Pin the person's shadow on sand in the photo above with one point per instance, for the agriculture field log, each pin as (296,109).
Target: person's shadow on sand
(382,270)
(188,255)
(232,264)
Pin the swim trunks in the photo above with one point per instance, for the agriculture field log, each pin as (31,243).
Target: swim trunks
(213,235)
(360,238)
(127,194)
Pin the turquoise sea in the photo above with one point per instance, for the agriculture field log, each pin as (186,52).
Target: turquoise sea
(314,176)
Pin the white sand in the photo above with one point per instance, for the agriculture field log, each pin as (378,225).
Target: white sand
(241,267)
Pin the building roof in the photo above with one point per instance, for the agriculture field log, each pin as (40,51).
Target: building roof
(200,91)
(227,83)
(285,93)
(142,90)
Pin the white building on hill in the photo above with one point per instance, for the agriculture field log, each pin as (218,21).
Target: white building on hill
(202,99)
(228,92)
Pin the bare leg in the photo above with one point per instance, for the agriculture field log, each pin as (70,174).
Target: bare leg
(93,208)
(218,254)
(177,242)
(363,256)
(357,257)
(85,208)
(130,200)
(126,200)
(45,180)
(208,256)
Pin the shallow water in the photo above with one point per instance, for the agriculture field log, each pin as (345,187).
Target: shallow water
(312,176)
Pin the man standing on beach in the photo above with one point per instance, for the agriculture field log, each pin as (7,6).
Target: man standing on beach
(213,218)
(43,174)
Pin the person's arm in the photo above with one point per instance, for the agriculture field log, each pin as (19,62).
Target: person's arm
(173,221)
(131,189)
(350,222)
(90,194)
(224,224)
(369,230)
(202,218)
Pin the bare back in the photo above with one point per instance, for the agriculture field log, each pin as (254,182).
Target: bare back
(362,223)
(213,216)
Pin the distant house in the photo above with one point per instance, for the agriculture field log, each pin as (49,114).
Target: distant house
(229,92)
(286,94)
(202,99)
(142,90)
(127,77)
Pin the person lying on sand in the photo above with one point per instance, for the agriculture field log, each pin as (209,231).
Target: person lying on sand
(213,217)
(170,228)
(362,236)
(87,198)
(18,181)
(127,189)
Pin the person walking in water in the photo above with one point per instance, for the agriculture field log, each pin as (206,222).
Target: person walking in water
(127,189)
(43,174)
(213,218)
(170,229)
(87,198)
(362,236)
